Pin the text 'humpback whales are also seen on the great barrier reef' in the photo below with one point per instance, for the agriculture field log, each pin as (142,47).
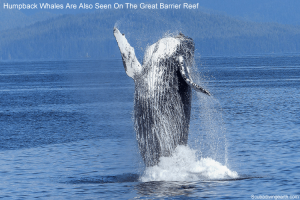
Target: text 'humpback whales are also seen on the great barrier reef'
(163,95)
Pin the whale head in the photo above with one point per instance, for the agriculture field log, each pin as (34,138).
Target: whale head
(170,48)
(175,52)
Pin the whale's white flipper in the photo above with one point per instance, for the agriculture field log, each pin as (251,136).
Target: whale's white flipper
(131,64)
(184,73)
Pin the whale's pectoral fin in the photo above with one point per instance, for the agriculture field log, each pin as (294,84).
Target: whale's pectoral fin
(185,75)
(131,63)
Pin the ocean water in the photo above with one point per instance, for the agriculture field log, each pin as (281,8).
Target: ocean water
(66,132)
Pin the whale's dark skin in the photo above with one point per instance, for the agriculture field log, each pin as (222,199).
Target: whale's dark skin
(163,94)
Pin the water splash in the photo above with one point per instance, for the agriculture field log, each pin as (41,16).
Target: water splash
(207,129)
(184,165)
(209,136)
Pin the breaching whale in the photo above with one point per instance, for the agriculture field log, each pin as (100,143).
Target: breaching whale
(162,97)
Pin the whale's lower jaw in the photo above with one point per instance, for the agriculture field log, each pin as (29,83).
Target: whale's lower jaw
(162,115)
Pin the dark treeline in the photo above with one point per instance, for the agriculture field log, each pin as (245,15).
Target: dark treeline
(90,36)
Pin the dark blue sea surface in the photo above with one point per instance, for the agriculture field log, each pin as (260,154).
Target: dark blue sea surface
(66,131)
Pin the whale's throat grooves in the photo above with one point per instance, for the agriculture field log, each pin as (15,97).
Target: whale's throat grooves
(162,110)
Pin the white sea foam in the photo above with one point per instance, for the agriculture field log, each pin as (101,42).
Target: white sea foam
(184,165)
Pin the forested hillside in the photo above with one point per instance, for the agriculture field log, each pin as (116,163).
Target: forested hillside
(90,36)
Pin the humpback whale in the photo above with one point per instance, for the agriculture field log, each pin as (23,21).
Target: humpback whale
(162,97)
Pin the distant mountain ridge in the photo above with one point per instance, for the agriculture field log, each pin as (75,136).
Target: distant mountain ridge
(275,11)
(12,18)
(89,36)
